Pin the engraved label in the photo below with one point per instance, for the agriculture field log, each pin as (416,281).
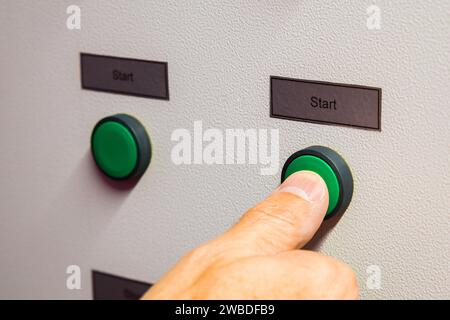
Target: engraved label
(126,76)
(325,102)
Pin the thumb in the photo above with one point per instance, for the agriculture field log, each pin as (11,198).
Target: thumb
(287,219)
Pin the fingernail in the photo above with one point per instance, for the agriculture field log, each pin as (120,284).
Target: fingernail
(305,184)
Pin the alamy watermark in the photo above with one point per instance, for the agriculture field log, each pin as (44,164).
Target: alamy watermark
(227,147)
(73,281)
(373,281)
(374,17)
(73,21)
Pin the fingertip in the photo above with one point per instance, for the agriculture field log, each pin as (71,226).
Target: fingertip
(309,186)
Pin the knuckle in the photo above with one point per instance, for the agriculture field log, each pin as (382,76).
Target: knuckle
(275,211)
(340,274)
(326,268)
(347,273)
(199,253)
(210,253)
(348,279)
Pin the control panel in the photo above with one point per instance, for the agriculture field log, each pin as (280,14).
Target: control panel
(200,109)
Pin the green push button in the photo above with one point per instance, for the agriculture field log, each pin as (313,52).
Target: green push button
(331,167)
(317,165)
(114,149)
(120,147)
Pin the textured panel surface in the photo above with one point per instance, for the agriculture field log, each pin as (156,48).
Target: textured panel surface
(56,210)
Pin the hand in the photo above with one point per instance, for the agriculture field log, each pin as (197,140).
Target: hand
(258,258)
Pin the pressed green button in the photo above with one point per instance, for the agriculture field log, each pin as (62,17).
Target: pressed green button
(114,149)
(319,166)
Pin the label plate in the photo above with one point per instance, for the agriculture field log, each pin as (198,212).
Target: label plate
(126,76)
(110,287)
(325,102)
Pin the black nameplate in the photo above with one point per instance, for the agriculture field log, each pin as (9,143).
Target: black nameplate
(126,76)
(110,287)
(325,102)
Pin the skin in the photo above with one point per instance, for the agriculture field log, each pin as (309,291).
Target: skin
(259,257)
